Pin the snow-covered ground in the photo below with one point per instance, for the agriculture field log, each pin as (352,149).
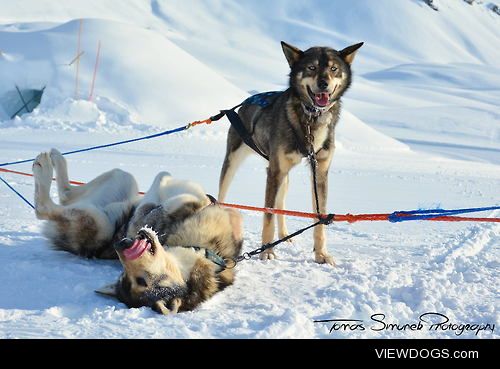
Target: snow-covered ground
(420,129)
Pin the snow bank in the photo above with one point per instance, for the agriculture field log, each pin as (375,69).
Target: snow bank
(139,68)
(150,80)
(247,34)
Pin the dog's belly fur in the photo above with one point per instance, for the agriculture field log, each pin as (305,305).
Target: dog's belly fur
(87,225)
(82,230)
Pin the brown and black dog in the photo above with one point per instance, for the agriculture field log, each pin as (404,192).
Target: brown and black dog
(310,106)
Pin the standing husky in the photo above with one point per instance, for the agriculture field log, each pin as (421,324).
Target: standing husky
(173,242)
(292,125)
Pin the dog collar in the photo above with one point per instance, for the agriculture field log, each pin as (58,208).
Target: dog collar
(211,255)
(314,111)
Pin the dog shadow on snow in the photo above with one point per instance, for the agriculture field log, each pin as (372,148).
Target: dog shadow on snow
(35,277)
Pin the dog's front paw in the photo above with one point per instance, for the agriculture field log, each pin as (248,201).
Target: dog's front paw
(324,259)
(268,255)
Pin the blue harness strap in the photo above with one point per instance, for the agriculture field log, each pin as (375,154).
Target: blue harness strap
(262,99)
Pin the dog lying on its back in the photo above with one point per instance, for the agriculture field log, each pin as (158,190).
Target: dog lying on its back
(289,126)
(172,242)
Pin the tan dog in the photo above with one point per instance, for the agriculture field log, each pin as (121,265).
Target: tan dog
(173,242)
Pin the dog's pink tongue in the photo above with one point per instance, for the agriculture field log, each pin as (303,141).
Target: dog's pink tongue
(321,99)
(136,250)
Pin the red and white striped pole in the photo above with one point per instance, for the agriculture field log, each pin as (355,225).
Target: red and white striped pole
(78,54)
(95,70)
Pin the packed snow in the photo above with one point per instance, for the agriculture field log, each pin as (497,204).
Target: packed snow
(420,129)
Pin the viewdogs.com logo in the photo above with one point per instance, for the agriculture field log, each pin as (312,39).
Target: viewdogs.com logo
(435,322)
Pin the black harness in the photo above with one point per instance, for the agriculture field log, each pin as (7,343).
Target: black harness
(264,100)
(242,131)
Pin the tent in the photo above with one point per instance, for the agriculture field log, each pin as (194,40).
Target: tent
(21,101)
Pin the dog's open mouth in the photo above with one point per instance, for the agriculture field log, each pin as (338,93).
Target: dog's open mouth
(320,99)
(134,249)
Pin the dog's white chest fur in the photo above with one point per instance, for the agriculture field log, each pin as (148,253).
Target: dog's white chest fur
(186,257)
(321,133)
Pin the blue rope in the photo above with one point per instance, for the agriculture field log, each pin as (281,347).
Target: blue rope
(164,133)
(397,216)
(402,216)
(17,193)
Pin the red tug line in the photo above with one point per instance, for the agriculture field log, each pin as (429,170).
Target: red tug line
(350,218)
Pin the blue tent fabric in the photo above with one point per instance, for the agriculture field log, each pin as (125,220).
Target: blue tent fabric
(21,101)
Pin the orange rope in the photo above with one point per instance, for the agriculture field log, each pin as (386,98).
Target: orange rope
(198,122)
(350,218)
(300,214)
(15,172)
(31,175)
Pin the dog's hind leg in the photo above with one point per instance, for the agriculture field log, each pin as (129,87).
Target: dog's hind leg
(83,229)
(235,154)
(45,208)
(277,178)
(320,252)
(67,192)
(280,204)
(154,194)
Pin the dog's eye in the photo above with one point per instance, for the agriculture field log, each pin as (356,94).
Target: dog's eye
(141,282)
(311,67)
(333,69)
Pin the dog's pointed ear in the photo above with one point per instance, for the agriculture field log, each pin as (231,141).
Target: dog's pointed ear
(292,53)
(107,290)
(349,52)
(160,306)
(164,308)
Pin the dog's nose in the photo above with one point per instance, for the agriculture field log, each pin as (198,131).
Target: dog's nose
(124,244)
(323,84)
